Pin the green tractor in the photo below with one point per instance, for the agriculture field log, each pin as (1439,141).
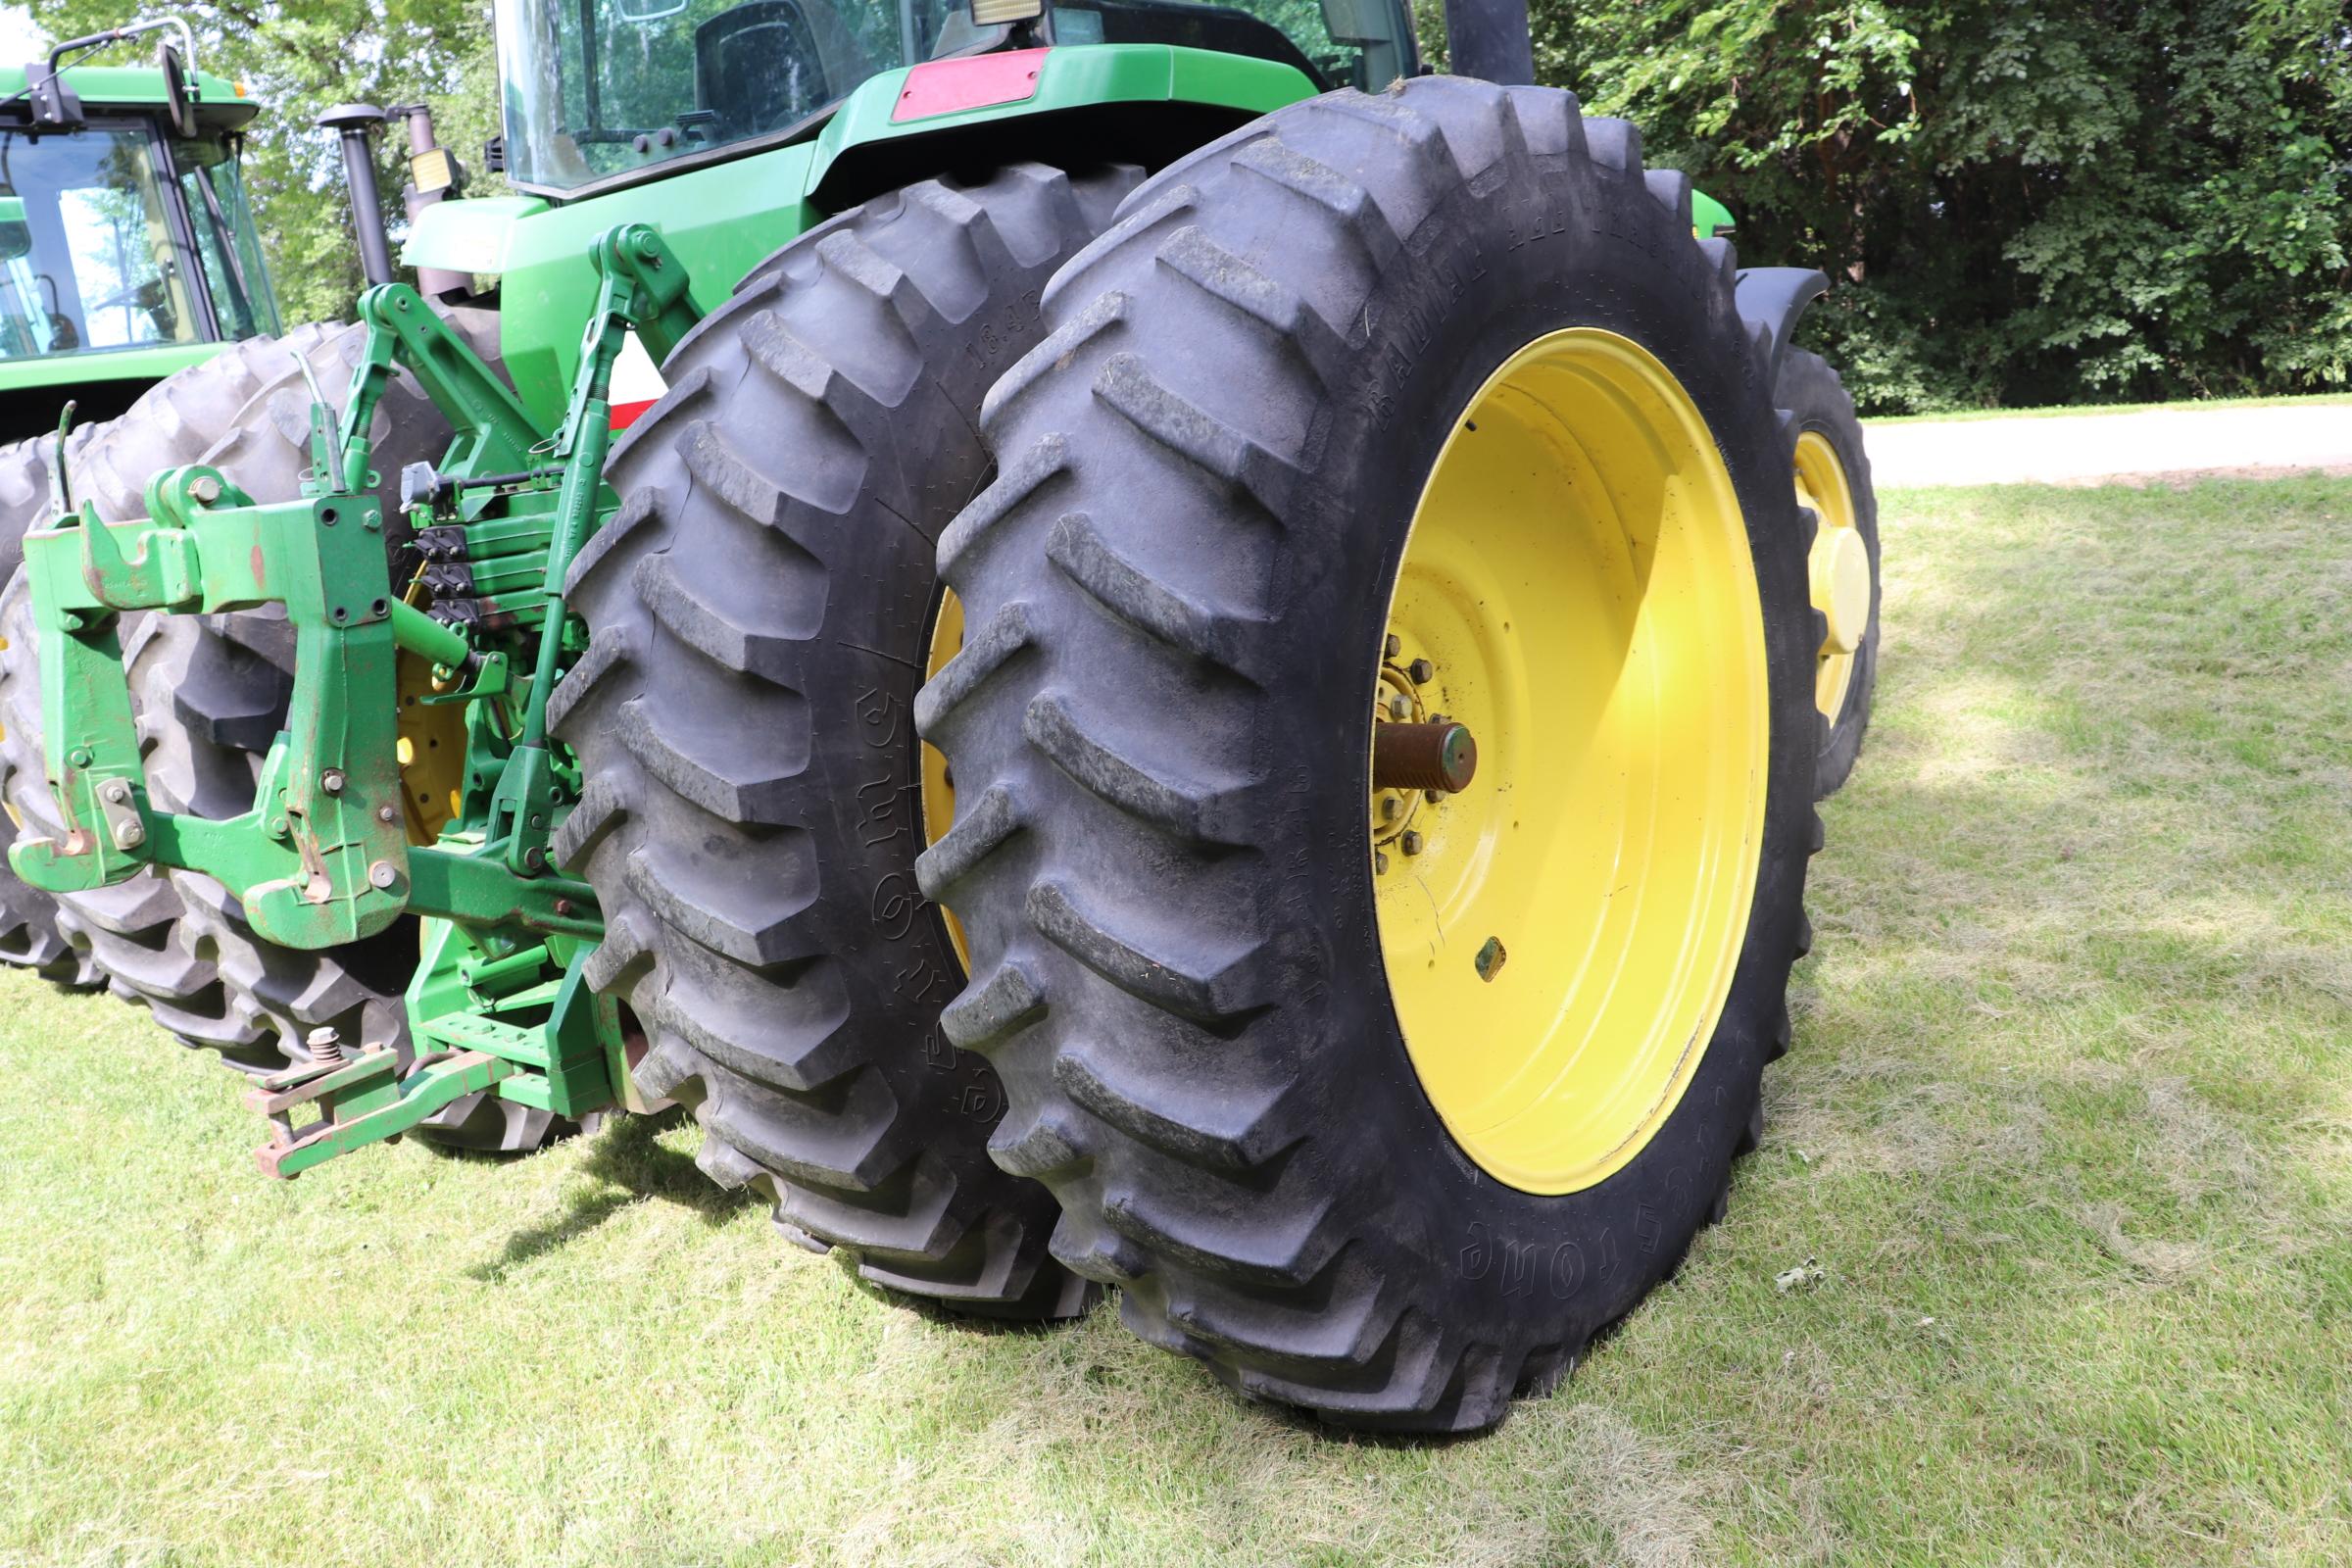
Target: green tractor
(127,251)
(1132,643)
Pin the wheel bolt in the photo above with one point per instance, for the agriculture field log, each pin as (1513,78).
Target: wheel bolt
(1393,646)
(1432,797)
(1380,862)
(1410,843)
(1420,670)
(1390,807)
(1399,709)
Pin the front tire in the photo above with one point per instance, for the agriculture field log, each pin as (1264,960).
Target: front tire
(1227,1002)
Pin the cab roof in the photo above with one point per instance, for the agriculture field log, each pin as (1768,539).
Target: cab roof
(220,104)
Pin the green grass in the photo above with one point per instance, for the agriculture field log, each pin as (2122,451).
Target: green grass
(2190,405)
(2067,1127)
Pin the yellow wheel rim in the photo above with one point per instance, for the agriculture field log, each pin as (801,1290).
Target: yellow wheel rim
(938,790)
(1840,568)
(1577,590)
(431,751)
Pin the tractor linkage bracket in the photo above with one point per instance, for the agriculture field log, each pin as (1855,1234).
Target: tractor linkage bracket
(324,858)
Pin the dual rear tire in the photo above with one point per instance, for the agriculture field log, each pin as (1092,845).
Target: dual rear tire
(1400,405)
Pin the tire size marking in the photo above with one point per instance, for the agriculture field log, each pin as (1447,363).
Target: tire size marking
(1561,1268)
(1411,329)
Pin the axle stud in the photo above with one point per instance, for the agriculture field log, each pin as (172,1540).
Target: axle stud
(1423,757)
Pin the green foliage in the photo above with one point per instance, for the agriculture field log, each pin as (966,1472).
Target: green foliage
(2022,203)
(300,59)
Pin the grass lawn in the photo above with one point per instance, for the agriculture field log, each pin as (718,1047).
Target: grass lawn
(2067,1130)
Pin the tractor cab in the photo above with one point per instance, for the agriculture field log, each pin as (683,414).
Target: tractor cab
(604,92)
(127,248)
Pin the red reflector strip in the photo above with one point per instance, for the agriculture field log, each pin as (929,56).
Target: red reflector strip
(943,86)
(626,415)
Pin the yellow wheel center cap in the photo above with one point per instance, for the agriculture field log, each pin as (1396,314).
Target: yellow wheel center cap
(1841,587)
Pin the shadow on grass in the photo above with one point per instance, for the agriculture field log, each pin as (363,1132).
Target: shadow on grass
(627,1154)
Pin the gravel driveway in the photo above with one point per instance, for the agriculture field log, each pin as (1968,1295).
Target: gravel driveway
(2087,448)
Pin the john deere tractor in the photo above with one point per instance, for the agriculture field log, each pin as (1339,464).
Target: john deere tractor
(126,248)
(1133,643)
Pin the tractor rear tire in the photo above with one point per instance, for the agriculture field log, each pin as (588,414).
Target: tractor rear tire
(29,936)
(1205,977)
(1833,474)
(763,609)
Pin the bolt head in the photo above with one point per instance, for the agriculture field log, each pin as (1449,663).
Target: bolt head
(80,757)
(1390,807)
(114,791)
(386,814)
(1380,862)
(1410,843)
(278,828)
(331,780)
(564,908)
(1399,709)
(129,835)
(1432,797)
(325,1034)
(205,488)
(1393,646)
(1420,670)
(381,875)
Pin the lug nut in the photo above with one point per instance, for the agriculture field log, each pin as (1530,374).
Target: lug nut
(1393,646)
(1380,862)
(1389,807)
(1410,843)
(1420,670)
(1399,709)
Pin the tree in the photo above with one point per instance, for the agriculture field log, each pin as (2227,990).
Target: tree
(2021,204)
(300,59)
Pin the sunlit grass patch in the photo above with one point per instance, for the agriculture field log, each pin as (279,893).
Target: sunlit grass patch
(2066,1137)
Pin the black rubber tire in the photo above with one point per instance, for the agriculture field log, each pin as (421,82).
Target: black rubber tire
(760,610)
(1813,392)
(210,693)
(1175,594)
(29,936)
